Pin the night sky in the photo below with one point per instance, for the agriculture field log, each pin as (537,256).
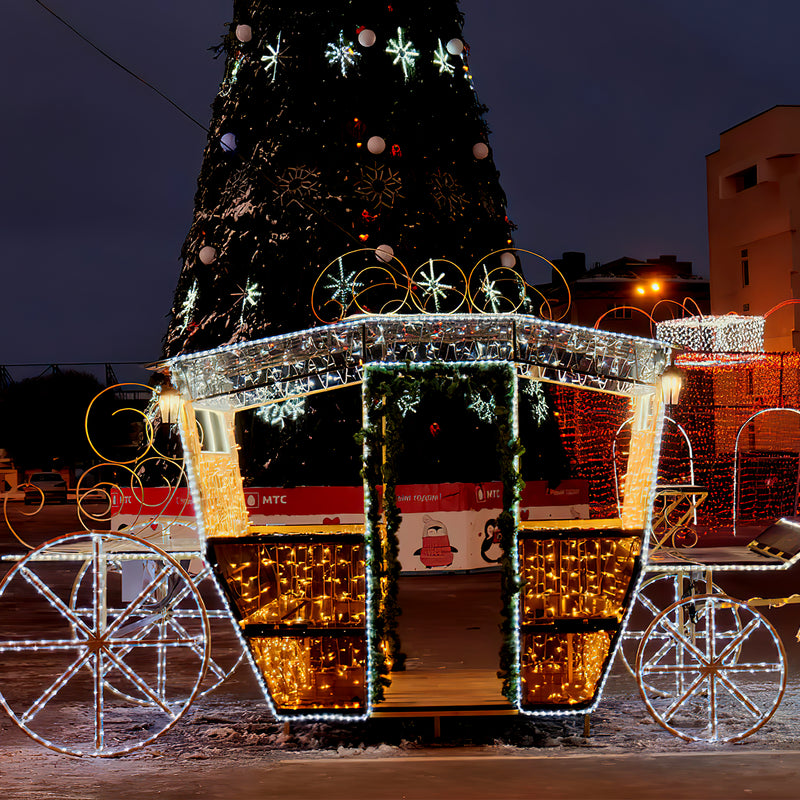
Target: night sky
(601,116)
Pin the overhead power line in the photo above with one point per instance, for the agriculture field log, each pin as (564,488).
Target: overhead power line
(120,65)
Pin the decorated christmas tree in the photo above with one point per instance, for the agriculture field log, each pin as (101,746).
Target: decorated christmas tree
(347,170)
(338,126)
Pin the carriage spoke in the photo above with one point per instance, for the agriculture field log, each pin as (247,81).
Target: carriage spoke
(139,600)
(55,601)
(196,647)
(678,702)
(660,653)
(712,706)
(669,669)
(56,686)
(739,695)
(680,638)
(740,638)
(42,644)
(137,681)
(99,702)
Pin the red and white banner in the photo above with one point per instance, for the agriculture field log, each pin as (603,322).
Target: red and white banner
(446,526)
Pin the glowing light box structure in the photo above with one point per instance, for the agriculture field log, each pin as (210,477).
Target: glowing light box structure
(730,333)
(308,600)
(739,409)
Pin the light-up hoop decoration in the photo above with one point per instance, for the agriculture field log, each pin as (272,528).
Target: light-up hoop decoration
(736,479)
(374,282)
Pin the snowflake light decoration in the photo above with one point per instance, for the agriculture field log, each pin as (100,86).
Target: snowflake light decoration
(434,286)
(539,407)
(272,59)
(342,285)
(187,307)
(409,401)
(380,186)
(278,413)
(447,192)
(296,185)
(490,291)
(403,52)
(485,409)
(342,53)
(441,59)
(249,295)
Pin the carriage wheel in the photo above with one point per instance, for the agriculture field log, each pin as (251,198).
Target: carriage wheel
(226,652)
(729,682)
(83,676)
(655,594)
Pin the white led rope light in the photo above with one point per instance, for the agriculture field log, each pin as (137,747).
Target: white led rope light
(102,644)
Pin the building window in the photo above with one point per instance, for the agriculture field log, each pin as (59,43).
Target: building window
(745,268)
(745,179)
(745,307)
(621,312)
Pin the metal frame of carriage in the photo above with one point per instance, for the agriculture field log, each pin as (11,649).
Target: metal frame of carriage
(214,385)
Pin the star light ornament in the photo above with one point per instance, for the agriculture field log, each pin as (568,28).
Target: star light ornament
(343,286)
(270,61)
(278,413)
(434,285)
(403,52)
(441,59)
(342,53)
(187,307)
(485,409)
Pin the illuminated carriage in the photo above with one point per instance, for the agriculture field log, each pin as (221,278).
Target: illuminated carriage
(313,603)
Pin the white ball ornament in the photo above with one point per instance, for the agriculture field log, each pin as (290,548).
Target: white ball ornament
(207,254)
(244,33)
(508,259)
(455,47)
(384,252)
(480,150)
(228,142)
(367,38)
(376,145)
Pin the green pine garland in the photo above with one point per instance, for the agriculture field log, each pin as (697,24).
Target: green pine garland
(383,437)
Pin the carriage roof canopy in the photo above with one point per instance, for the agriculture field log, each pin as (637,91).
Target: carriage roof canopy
(270,370)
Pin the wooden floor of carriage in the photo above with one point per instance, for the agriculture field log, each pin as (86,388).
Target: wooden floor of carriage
(450,633)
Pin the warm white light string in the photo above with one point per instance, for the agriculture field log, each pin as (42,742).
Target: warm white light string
(632,359)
